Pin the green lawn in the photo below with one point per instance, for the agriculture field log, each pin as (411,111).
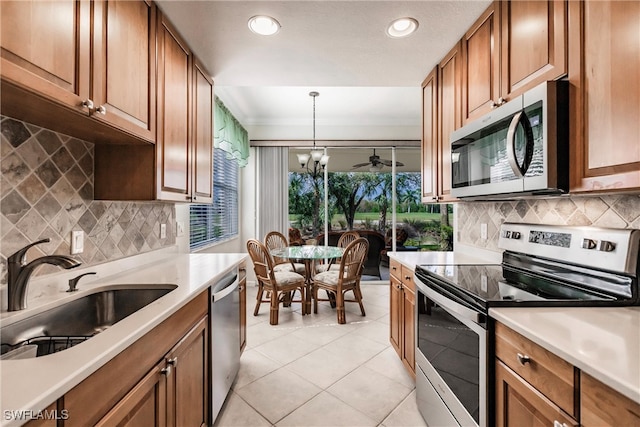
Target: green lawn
(374,216)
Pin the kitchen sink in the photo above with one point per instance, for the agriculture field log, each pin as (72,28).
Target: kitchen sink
(76,321)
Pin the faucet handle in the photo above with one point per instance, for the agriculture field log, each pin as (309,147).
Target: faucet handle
(73,283)
(20,257)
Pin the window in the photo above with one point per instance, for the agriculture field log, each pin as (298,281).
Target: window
(218,221)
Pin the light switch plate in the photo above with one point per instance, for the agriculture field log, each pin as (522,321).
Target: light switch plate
(179,228)
(483,231)
(163,231)
(77,242)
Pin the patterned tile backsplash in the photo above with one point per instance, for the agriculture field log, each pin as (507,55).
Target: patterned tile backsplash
(614,211)
(46,191)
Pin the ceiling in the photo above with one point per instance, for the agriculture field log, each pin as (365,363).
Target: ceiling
(369,83)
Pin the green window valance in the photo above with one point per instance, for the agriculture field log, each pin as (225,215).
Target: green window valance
(229,135)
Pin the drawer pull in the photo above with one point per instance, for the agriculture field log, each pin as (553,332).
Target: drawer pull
(524,359)
(559,424)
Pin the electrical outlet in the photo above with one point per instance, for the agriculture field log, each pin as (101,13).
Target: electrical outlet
(77,242)
(163,231)
(483,231)
(179,228)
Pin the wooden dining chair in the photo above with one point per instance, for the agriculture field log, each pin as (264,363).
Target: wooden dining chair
(277,240)
(347,278)
(344,240)
(277,284)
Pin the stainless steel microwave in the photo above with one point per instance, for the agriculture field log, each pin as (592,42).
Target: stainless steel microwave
(519,149)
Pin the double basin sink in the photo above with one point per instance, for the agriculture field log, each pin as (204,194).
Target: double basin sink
(76,321)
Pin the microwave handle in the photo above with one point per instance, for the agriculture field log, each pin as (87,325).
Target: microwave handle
(518,169)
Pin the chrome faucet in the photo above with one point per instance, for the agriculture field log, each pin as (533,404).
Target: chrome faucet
(20,272)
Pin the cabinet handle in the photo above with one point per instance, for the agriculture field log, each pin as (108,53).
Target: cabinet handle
(559,424)
(166,371)
(524,359)
(394,268)
(407,277)
(494,105)
(172,362)
(501,101)
(101,110)
(88,104)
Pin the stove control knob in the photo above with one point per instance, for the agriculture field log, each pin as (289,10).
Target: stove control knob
(515,235)
(506,234)
(588,244)
(606,246)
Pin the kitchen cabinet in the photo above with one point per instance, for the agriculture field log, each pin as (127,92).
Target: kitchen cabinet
(512,47)
(429,164)
(179,167)
(89,73)
(162,376)
(605,96)
(242,287)
(533,386)
(402,313)
(48,419)
(601,406)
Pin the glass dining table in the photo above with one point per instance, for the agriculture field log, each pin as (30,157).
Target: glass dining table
(309,255)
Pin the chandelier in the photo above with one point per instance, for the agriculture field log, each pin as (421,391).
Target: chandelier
(320,159)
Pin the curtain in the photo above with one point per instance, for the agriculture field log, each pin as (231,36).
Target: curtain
(273,191)
(229,135)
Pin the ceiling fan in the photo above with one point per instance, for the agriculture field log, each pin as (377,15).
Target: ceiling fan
(376,162)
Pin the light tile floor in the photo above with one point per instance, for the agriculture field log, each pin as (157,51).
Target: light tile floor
(311,371)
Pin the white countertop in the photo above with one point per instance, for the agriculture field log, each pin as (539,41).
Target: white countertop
(33,384)
(603,342)
(411,259)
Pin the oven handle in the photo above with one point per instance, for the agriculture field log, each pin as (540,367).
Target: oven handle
(448,301)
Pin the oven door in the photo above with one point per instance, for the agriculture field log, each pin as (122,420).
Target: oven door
(451,356)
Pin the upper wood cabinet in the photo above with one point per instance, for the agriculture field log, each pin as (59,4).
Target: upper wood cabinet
(124,65)
(512,47)
(430,137)
(481,64)
(179,166)
(449,116)
(604,66)
(90,72)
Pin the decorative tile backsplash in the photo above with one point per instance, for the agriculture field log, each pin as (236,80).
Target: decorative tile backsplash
(614,211)
(46,191)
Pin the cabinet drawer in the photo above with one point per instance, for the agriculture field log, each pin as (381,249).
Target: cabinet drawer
(395,268)
(549,374)
(407,278)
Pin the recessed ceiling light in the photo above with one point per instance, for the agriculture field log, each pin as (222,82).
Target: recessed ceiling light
(264,25)
(402,27)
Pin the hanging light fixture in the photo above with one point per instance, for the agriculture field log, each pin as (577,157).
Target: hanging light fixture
(320,159)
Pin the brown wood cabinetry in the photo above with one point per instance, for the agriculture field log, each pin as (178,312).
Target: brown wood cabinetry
(430,137)
(605,95)
(402,312)
(512,47)
(90,72)
(601,406)
(179,166)
(533,386)
(144,371)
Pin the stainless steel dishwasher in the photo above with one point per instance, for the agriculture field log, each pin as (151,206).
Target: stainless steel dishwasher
(225,338)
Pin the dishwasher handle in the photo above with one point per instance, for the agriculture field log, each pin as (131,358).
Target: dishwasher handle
(225,286)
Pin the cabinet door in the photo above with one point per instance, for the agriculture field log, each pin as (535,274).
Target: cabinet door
(395,301)
(449,97)
(519,404)
(187,390)
(429,137)
(49,417)
(173,141)
(481,65)
(202,135)
(604,407)
(534,42)
(124,65)
(144,405)
(408,329)
(48,56)
(604,66)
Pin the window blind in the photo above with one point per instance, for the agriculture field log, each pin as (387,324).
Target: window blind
(216,222)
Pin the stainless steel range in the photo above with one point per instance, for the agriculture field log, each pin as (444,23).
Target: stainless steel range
(541,265)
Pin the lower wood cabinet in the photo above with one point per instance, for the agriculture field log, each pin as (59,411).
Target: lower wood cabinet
(402,314)
(161,379)
(602,406)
